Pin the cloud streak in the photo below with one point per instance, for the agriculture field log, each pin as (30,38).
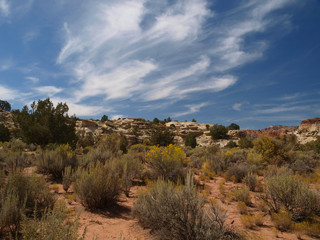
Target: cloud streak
(144,51)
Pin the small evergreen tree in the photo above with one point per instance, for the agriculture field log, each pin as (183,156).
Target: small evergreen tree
(156,121)
(233,126)
(45,123)
(161,136)
(4,105)
(4,133)
(218,132)
(191,140)
(193,120)
(104,118)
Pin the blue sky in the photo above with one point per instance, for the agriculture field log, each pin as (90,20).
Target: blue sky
(253,62)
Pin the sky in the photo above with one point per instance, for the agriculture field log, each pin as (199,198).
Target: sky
(252,62)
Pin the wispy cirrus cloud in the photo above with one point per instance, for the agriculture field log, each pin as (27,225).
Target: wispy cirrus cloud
(4,8)
(149,52)
(48,90)
(192,108)
(7,93)
(33,79)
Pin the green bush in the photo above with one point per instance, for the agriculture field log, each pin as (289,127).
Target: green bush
(104,118)
(4,133)
(55,161)
(191,140)
(52,225)
(287,191)
(218,132)
(181,213)
(97,186)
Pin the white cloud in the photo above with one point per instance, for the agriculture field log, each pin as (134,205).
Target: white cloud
(184,20)
(191,109)
(4,8)
(237,106)
(30,36)
(7,94)
(117,116)
(33,79)
(6,64)
(280,109)
(120,83)
(81,109)
(291,97)
(111,53)
(48,90)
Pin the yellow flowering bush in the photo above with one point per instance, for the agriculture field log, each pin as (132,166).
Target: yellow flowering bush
(165,162)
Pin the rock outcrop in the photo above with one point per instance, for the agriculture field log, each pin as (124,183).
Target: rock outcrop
(138,130)
(308,130)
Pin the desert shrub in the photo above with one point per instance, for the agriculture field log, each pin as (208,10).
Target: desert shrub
(231,144)
(312,146)
(242,195)
(12,161)
(242,207)
(287,191)
(162,136)
(236,155)
(97,186)
(191,140)
(237,172)
(130,167)
(180,213)
(85,139)
(282,220)
(215,160)
(55,161)
(196,156)
(123,143)
(165,162)
(52,225)
(251,180)
(247,221)
(17,145)
(67,178)
(271,150)
(22,194)
(245,142)
(218,132)
(304,162)
(311,229)
(4,133)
